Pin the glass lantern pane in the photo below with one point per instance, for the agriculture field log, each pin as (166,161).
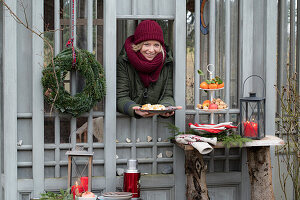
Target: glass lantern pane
(252,119)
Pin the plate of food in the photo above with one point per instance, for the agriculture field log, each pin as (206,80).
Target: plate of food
(212,84)
(216,105)
(157,108)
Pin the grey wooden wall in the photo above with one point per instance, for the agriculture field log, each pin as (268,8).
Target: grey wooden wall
(1,97)
(34,166)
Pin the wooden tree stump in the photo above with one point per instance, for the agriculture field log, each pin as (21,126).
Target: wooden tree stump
(195,170)
(260,173)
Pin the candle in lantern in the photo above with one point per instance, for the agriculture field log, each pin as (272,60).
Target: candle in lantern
(76,189)
(250,129)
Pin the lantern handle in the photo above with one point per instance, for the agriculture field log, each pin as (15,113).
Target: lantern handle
(264,92)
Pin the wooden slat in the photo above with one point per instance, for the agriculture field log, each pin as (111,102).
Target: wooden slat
(154,148)
(109,63)
(197,58)
(81,22)
(270,60)
(212,49)
(73,121)
(245,69)
(57,118)
(89,5)
(282,48)
(133,135)
(227,57)
(179,42)
(79,153)
(10,101)
(37,99)
(143,17)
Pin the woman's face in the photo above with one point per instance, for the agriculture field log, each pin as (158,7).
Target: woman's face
(150,49)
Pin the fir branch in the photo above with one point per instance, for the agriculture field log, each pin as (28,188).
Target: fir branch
(234,140)
(63,195)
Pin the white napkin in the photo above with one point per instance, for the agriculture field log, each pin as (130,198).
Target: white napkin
(198,142)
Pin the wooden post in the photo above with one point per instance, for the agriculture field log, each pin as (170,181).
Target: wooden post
(90,173)
(260,173)
(69,171)
(195,170)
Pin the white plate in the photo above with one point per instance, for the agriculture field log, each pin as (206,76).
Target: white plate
(212,89)
(117,197)
(118,194)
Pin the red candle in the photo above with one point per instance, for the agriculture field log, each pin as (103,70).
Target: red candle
(76,189)
(85,183)
(250,129)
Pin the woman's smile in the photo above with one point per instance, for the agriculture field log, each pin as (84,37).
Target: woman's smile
(150,49)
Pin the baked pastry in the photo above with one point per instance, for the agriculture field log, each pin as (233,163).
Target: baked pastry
(146,107)
(153,107)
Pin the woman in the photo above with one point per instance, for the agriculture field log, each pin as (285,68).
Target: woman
(144,71)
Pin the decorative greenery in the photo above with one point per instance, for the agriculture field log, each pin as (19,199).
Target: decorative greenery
(173,129)
(288,155)
(63,195)
(227,137)
(234,140)
(53,82)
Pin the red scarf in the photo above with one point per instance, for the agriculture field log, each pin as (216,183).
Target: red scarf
(148,70)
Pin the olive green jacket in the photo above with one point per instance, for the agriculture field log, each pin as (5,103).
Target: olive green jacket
(131,91)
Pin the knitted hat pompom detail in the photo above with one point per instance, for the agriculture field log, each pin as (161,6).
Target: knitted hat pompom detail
(148,30)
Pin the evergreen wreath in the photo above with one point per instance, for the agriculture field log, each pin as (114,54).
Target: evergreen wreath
(88,67)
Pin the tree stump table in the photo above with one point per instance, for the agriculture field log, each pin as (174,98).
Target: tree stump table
(259,169)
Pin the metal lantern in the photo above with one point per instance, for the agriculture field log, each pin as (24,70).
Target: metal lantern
(252,114)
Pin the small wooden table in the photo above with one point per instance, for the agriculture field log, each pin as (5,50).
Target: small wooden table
(259,168)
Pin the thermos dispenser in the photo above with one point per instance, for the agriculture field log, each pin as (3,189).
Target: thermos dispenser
(132,179)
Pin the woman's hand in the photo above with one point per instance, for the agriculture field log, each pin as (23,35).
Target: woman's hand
(144,114)
(167,114)
(147,114)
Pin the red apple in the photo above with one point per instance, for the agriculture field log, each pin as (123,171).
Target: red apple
(213,106)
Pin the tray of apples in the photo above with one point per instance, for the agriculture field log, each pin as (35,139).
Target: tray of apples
(212,106)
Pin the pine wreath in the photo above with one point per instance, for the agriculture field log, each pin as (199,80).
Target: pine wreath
(88,67)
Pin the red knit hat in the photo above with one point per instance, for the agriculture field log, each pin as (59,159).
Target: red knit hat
(148,30)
